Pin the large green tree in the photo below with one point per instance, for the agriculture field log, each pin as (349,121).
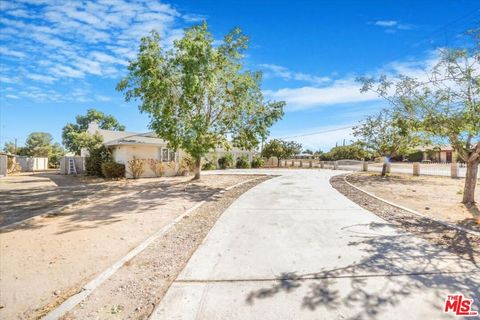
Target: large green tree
(40,144)
(281,149)
(74,135)
(445,106)
(198,95)
(385,135)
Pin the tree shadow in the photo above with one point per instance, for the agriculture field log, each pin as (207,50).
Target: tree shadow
(394,268)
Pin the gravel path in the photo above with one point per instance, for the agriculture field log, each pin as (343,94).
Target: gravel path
(463,244)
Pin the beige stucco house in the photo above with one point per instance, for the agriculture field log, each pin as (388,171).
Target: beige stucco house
(126,146)
(441,153)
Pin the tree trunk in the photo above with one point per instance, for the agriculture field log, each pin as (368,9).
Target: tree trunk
(198,168)
(384,169)
(470,183)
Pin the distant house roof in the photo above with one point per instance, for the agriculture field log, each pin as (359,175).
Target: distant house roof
(436,147)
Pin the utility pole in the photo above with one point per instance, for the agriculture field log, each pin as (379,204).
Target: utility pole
(344,142)
(15,150)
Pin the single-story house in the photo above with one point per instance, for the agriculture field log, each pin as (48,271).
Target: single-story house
(441,153)
(126,146)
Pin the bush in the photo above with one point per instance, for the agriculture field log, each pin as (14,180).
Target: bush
(93,164)
(243,163)
(113,170)
(187,165)
(226,161)
(12,165)
(157,167)
(257,162)
(209,165)
(136,167)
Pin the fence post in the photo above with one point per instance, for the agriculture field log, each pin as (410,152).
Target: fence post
(365,166)
(335,165)
(293,163)
(311,164)
(416,168)
(322,164)
(301,163)
(454,170)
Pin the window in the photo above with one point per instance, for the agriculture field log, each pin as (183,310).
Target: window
(172,155)
(165,155)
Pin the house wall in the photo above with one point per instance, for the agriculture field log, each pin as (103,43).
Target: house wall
(123,154)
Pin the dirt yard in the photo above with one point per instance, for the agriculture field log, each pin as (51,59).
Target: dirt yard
(48,258)
(436,197)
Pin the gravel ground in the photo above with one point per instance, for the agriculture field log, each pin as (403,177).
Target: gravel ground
(461,243)
(135,290)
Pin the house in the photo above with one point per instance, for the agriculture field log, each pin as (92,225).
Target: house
(126,146)
(441,153)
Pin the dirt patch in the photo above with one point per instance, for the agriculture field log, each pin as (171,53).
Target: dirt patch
(45,259)
(436,197)
(461,243)
(135,290)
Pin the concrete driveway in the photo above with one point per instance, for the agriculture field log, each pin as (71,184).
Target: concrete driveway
(295,248)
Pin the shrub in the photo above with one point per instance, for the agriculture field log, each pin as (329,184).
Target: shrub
(157,167)
(226,161)
(209,165)
(243,163)
(136,167)
(187,164)
(93,164)
(113,170)
(257,162)
(12,165)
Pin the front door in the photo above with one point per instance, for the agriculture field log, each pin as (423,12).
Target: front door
(449,156)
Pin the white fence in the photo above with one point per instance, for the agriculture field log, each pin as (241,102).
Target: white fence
(455,170)
(28,164)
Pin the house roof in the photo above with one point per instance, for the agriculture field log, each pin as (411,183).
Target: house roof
(436,147)
(137,139)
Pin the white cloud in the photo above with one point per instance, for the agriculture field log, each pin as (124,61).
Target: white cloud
(12,96)
(347,90)
(273,70)
(102,98)
(41,78)
(12,53)
(341,91)
(386,23)
(392,26)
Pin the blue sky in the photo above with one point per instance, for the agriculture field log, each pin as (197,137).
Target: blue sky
(60,58)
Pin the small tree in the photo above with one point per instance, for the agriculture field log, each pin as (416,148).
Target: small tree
(40,144)
(446,106)
(281,149)
(198,94)
(383,135)
(352,151)
(74,135)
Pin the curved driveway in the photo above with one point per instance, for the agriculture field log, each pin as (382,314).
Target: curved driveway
(294,248)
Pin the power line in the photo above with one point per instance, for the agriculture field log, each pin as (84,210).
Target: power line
(317,132)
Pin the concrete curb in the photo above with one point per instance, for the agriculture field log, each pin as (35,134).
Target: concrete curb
(86,290)
(476,233)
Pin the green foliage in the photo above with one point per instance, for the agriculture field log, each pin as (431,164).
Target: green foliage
(113,170)
(209,165)
(351,152)
(226,161)
(198,93)
(243,163)
(281,149)
(74,135)
(257,162)
(93,163)
(40,144)
(384,135)
(416,156)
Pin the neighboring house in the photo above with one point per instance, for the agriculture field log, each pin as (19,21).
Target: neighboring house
(126,146)
(442,153)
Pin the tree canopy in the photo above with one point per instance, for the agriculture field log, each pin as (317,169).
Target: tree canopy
(445,105)
(281,149)
(74,135)
(198,95)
